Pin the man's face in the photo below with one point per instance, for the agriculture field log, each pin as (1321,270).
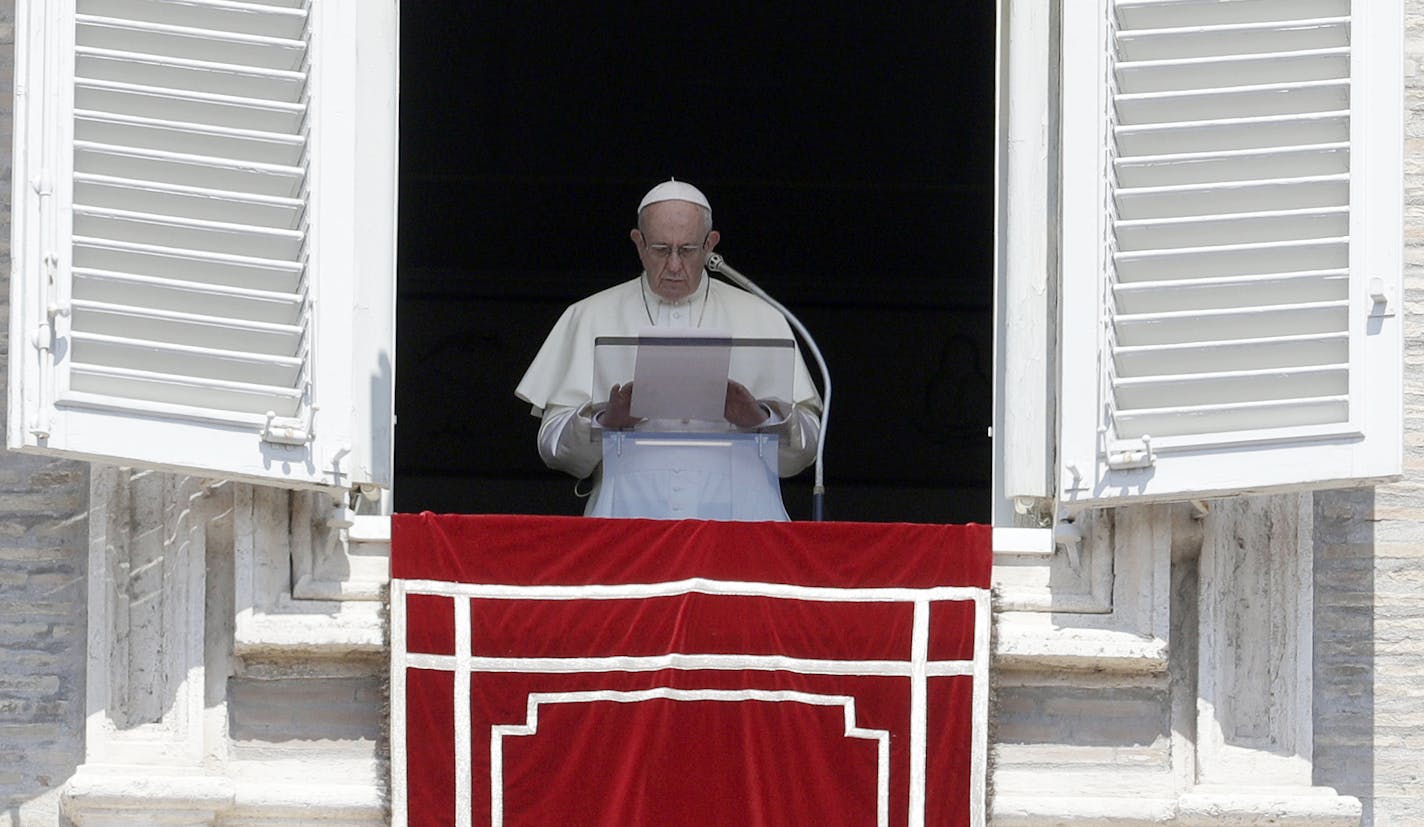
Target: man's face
(673,245)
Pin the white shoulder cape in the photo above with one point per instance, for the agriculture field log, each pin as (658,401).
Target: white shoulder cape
(562,372)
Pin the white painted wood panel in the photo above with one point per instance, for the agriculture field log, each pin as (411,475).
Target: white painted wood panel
(204,239)
(1227,323)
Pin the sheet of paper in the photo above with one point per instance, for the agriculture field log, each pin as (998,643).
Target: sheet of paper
(681,374)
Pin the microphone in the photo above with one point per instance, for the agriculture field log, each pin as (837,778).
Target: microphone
(716,264)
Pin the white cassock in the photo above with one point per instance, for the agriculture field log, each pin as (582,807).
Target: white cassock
(558,383)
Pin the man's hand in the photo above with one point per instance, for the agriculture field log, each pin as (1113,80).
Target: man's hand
(616,415)
(742,409)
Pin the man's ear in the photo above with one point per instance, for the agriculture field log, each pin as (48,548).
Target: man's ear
(712,239)
(637,238)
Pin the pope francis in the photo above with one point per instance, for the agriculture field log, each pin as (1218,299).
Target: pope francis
(673,238)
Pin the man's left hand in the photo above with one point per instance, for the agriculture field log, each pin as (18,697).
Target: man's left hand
(742,409)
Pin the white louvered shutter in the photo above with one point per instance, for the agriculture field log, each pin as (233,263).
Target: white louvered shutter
(186,232)
(1232,246)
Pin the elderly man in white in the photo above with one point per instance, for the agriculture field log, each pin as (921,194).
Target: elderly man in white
(673,238)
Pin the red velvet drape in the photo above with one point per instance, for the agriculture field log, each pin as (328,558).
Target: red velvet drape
(688,673)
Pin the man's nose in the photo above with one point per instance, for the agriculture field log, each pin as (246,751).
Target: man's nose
(674,262)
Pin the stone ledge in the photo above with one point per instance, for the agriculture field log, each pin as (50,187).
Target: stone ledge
(312,628)
(261,804)
(115,796)
(1284,806)
(173,796)
(1043,810)
(1202,807)
(1033,641)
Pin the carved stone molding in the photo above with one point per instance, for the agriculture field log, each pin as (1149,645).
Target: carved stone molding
(309,575)
(1254,676)
(178,569)
(1110,611)
(336,553)
(1077,577)
(1255,712)
(148,541)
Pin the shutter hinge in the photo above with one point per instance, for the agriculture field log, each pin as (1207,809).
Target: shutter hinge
(1128,458)
(44,332)
(289,430)
(43,341)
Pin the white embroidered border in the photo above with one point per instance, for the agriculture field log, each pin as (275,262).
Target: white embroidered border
(918,667)
(695,585)
(531,725)
(400,815)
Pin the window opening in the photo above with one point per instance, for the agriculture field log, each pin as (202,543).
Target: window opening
(849,160)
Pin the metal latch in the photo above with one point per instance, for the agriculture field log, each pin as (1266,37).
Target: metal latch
(1382,303)
(1128,458)
(287,430)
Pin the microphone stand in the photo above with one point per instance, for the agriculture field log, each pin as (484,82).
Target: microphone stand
(717,264)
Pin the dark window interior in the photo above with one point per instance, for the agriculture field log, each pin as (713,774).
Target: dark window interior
(848,156)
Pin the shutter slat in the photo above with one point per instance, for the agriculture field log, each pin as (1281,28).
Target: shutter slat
(1167,14)
(186,296)
(1230,387)
(1243,354)
(241,397)
(171,231)
(1249,291)
(243,18)
(198,330)
(1254,416)
(1240,102)
(186,42)
(181,106)
(190,265)
(1233,39)
(194,202)
(194,170)
(191,75)
(1229,323)
(1232,260)
(1183,232)
(1226,72)
(181,360)
(1239,165)
(1229,134)
(232,145)
(1234,196)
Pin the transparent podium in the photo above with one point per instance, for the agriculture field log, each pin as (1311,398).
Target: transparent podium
(692,476)
(685,460)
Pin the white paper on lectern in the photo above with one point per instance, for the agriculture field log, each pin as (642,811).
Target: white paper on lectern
(681,374)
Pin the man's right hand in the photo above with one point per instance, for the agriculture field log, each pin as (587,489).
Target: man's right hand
(620,402)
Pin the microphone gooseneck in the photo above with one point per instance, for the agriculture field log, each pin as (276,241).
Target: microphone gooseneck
(716,264)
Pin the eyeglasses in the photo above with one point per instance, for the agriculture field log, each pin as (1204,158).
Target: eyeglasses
(683,251)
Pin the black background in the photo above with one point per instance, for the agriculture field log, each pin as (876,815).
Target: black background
(848,156)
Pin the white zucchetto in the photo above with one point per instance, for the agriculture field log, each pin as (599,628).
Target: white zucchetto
(675,190)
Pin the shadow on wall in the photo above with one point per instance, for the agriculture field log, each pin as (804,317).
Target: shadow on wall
(1345,644)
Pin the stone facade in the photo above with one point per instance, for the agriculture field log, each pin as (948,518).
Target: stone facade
(1369,558)
(1186,672)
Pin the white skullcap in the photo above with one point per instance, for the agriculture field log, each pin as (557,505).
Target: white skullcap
(675,190)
